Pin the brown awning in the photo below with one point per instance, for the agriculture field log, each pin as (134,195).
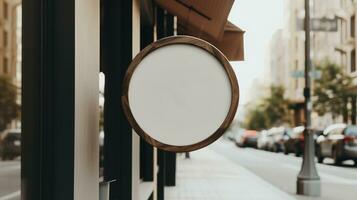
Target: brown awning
(231,43)
(208,16)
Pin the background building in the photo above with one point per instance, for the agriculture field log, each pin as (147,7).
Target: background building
(10,37)
(279,72)
(333,41)
(10,46)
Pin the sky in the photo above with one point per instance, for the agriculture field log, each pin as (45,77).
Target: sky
(260,19)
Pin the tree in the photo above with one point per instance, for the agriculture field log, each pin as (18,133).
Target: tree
(277,107)
(331,89)
(257,119)
(271,111)
(9,109)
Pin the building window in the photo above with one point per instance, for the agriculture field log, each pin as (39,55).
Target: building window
(353,60)
(6,66)
(5,38)
(353,27)
(6,10)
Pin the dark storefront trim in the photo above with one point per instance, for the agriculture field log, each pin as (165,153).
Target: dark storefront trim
(48,100)
(116,52)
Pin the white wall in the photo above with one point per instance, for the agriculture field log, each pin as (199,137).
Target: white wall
(86,158)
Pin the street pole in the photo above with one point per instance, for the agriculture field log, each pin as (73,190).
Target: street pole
(308,181)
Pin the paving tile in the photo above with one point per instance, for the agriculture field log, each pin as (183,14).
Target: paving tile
(210,176)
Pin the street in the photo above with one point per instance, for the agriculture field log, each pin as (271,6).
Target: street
(337,182)
(10,180)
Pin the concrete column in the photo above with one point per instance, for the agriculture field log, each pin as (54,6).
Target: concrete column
(86,157)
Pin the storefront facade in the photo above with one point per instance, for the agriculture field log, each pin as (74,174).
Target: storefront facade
(65,46)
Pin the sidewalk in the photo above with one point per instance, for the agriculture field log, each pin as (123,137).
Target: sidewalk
(209,176)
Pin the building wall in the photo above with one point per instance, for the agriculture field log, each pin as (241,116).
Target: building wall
(347,39)
(9,37)
(295,49)
(10,45)
(279,72)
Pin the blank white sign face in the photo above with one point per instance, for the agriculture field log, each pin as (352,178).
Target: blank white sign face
(179,94)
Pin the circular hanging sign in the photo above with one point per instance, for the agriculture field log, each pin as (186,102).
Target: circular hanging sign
(180,94)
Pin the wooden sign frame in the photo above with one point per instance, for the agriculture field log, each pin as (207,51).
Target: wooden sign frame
(189,41)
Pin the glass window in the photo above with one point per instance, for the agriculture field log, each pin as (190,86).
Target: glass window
(5,38)
(6,10)
(353,60)
(352,130)
(6,66)
(353,22)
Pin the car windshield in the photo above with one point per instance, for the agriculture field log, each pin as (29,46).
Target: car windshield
(352,130)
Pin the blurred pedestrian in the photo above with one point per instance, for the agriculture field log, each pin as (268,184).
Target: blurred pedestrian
(187,155)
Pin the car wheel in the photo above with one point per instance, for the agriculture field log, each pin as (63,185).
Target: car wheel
(297,150)
(336,158)
(286,151)
(320,159)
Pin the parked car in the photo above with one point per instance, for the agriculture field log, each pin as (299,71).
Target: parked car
(295,141)
(248,139)
(276,138)
(10,144)
(338,141)
(238,135)
(262,142)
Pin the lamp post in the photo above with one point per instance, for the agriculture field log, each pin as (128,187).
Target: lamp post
(308,181)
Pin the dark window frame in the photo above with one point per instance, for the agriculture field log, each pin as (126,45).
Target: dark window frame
(353,61)
(5,65)
(5,39)
(353,26)
(6,10)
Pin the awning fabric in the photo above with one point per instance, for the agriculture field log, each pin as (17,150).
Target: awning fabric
(231,43)
(207,19)
(209,16)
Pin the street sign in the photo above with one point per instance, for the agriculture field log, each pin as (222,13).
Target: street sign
(297,74)
(180,94)
(320,24)
(316,74)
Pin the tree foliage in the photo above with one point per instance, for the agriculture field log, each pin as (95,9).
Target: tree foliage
(257,119)
(331,89)
(272,110)
(9,109)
